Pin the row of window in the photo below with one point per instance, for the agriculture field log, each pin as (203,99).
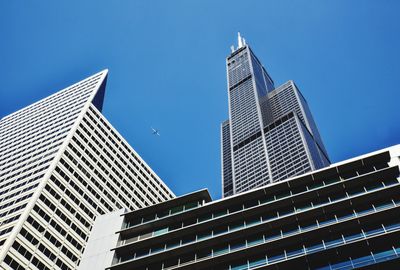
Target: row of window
(47,126)
(101,158)
(274,254)
(27,169)
(48,102)
(9,186)
(108,172)
(43,245)
(42,248)
(129,158)
(28,150)
(34,185)
(300,227)
(43,107)
(92,190)
(84,195)
(273,214)
(128,152)
(20,198)
(371,259)
(38,156)
(163,214)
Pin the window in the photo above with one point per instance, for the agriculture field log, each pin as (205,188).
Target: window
(160,231)
(177,209)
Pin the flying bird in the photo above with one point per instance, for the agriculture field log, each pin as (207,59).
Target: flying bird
(155,132)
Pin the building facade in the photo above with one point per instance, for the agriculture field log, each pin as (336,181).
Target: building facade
(61,165)
(270,134)
(345,216)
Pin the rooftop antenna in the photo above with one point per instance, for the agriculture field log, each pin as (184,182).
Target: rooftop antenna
(232,49)
(240,43)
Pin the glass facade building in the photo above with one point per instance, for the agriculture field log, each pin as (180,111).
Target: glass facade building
(345,216)
(270,134)
(62,164)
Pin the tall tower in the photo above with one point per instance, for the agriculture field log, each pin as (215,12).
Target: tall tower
(270,134)
(61,165)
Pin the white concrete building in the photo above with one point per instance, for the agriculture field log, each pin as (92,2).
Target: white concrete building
(61,165)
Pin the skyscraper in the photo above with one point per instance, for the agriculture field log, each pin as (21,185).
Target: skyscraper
(270,134)
(61,165)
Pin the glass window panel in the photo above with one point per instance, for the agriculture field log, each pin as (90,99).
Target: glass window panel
(205,217)
(392,227)
(163,214)
(383,206)
(334,242)
(342,265)
(146,235)
(316,185)
(204,235)
(353,237)
(314,248)
(157,248)
(275,258)
(239,266)
(176,209)
(191,205)
(269,216)
(221,250)
(251,203)
(236,226)
(257,262)
(374,231)
(160,231)
(363,261)
(204,253)
(235,208)
(173,243)
(267,199)
(331,180)
(220,230)
(385,255)
(188,239)
(292,253)
(253,221)
(255,240)
(149,218)
(237,245)
(220,213)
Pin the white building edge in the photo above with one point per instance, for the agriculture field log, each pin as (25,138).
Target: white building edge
(61,165)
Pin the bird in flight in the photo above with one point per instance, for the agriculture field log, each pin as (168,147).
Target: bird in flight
(155,132)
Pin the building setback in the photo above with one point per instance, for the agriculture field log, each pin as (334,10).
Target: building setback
(344,216)
(62,164)
(270,134)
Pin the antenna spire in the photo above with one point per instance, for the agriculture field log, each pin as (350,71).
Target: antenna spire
(240,41)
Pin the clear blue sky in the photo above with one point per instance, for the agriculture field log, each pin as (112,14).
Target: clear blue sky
(167,69)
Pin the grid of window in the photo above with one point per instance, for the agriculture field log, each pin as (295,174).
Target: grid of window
(226,157)
(238,68)
(286,152)
(244,113)
(98,172)
(251,168)
(29,140)
(312,126)
(288,98)
(283,100)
